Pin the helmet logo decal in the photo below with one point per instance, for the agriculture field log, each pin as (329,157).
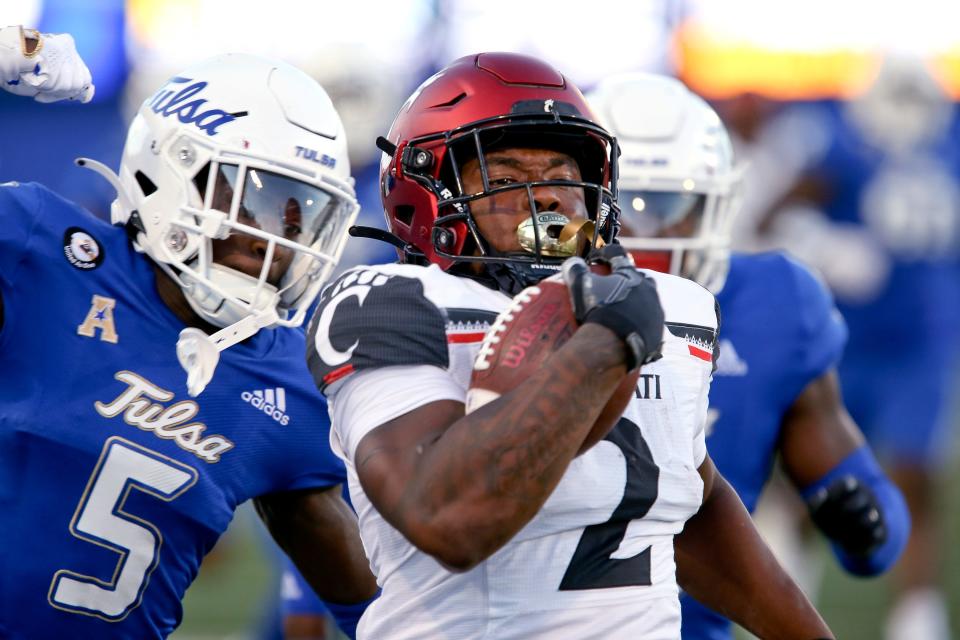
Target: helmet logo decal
(604,212)
(548,105)
(314,155)
(171,102)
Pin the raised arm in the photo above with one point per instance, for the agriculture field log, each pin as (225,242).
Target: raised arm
(460,486)
(850,498)
(43,66)
(318,530)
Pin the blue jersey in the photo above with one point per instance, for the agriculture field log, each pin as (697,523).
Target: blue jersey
(779,331)
(909,204)
(114,483)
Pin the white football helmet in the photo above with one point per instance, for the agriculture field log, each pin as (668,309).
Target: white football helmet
(238,149)
(678,186)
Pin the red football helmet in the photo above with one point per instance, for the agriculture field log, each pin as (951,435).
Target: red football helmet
(477,103)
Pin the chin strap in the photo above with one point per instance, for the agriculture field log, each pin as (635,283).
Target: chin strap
(199,353)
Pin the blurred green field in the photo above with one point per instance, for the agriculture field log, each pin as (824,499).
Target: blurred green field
(228,599)
(856,608)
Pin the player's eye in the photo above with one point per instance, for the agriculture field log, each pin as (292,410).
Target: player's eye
(563,173)
(499,182)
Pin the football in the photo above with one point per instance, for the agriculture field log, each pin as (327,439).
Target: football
(538,322)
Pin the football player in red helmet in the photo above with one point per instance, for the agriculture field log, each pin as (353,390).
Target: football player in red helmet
(487,524)
(451,162)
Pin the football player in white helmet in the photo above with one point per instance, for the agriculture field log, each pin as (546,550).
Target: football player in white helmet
(775,389)
(233,201)
(678,182)
(193,190)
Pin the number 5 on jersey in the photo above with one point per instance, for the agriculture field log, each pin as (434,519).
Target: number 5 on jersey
(101,520)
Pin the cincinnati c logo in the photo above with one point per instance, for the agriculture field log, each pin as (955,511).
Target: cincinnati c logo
(353,285)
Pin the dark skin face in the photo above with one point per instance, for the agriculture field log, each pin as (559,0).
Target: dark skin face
(498,216)
(239,251)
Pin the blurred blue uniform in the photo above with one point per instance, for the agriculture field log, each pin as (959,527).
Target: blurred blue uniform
(297,598)
(779,331)
(896,372)
(114,483)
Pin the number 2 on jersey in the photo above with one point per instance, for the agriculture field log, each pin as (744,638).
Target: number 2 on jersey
(591,566)
(101,520)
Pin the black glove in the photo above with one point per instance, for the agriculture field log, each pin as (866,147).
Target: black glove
(625,302)
(847,512)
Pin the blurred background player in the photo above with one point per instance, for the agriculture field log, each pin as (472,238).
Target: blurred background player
(222,227)
(775,390)
(873,202)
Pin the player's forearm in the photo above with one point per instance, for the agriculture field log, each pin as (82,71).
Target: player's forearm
(862,512)
(319,532)
(491,470)
(723,563)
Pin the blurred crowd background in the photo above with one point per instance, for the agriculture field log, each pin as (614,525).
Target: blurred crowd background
(844,111)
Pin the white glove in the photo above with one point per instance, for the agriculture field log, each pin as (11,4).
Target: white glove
(54,71)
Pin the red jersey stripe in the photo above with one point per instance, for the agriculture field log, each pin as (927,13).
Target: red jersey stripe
(463,338)
(336,374)
(697,352)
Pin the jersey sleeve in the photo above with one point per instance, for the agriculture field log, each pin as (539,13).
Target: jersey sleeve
(368,319)
(20,208)
(821,331)
(317,466)
(692,324)
(368,399)
(703,408)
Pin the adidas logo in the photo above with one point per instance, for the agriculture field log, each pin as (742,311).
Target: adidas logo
(729,363)
(272,402)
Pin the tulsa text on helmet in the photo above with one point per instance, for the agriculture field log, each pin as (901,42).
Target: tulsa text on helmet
(170,102)
(168,422)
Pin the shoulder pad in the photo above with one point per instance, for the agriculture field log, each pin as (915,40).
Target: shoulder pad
(684,301)
(374,317)
(691,313)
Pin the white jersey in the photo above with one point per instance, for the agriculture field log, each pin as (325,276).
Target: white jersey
(597,560)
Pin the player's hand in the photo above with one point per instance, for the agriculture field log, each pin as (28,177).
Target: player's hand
(52,71)
(847,512)
(625,302)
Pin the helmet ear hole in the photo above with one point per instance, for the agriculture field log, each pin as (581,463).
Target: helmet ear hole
(200,179)
(404,214)
(146,184)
